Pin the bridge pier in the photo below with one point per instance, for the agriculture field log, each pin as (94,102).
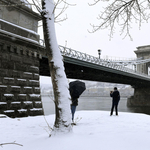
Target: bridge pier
(19,60)
(19,81)
(141,93)
(141,97)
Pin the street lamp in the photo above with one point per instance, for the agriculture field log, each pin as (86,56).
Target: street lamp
(135,67)
(99,53)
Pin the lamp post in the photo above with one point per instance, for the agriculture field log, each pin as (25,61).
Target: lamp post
(99,53)
(135,67)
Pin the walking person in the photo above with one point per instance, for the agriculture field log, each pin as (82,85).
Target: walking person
(115,100)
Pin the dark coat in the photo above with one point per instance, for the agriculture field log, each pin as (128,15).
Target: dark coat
(115,95)
(74,101)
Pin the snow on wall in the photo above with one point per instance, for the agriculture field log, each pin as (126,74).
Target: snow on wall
(7,95)
(22,110)
(9,111)
(27,87)
(34,95)
(35,109)
(18,36)
(34,67)
(8,78)
(22,94)
(3,86)
(15,86)
(30,31)
(33,81)
(38,102)
(2,103)
(15,102)
(21,79)
(28,102)
(28,73)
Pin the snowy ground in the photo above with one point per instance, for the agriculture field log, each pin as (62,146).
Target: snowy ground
(95,131)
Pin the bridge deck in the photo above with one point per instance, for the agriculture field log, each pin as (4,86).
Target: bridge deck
(82,66)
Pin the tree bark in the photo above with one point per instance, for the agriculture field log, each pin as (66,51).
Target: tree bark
(58,76)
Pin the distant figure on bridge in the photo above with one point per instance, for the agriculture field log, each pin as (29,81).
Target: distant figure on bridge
(115,100)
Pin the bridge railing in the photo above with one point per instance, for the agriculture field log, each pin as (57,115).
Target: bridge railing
(88,58)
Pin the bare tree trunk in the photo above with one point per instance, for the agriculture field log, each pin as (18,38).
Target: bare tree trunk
(58,76)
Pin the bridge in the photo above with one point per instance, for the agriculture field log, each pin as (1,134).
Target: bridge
(86,67)
(23,60)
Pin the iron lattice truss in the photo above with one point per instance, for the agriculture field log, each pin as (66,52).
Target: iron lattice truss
(117,65)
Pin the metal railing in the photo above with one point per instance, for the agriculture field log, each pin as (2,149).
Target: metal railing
(95,60)
(106,63)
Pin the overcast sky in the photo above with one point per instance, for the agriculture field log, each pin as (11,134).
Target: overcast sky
(74,31)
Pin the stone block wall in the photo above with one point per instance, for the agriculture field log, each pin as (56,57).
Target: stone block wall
(19,81)
(141,97)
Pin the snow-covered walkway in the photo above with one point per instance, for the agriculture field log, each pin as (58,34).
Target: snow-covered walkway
(95,131)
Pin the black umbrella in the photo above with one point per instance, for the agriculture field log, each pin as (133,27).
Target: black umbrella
(76,88)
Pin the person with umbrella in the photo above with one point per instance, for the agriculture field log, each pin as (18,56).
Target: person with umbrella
(76,88)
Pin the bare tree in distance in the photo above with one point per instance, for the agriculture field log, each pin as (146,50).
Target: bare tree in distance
(122,13)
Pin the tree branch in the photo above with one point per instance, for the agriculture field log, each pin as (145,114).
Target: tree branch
(37,6)
(122,13)
(10,143)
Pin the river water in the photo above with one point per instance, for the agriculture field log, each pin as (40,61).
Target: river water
(95,103)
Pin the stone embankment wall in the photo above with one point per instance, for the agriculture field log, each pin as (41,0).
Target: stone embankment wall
(19,81)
